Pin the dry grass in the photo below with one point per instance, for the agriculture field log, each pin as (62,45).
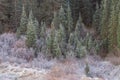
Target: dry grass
(65,70)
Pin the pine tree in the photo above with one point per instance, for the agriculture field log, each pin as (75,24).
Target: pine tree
(80,50)
(50,41)
(23,23)
(88,42)
(43,35)
(62,17)
(71,40)
(111,28)
(78,28)
(62,38)
(43,30)
(104,22)
(69,19)
(118,30)
(113,24)
(31,32)
(96,19)
(56,46)
(56,20)
(75,37)
(63,21)
(36,23)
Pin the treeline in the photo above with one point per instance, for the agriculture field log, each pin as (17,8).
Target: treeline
(106,20)
(61,39)
(42,9)
(66,20)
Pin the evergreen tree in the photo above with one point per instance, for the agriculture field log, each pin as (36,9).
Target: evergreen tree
(113,24)
(31,32)
(118,28)
(111,28)
(56,20)
(43,30)
(50,41)
(96,19)
(62,39)
(80,50)
(62,17)
(79,27)
(69,19)
(23,23)
(36,23)
(63,21)
(104,22)
(71,40)
(88,42)
(56,46)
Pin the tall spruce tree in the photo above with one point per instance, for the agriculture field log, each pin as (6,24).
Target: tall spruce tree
(43,30)
(56,45)
(50,40)
(36,23)
(96,19)
(63,21)
(112,26)
(31,31)
(69,19)
(62,38)
(118,28)
(62,16)
(56,20)
(104,22)
(23,23)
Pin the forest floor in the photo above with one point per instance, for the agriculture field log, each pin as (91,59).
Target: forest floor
(13,67)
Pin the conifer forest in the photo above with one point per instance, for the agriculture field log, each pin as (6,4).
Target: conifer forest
(59,39)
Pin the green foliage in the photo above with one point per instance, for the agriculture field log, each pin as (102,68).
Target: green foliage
(78,27)
(56,41)
(109,23)
(118,31)
(31,32)
(56,20)
(43,36)
(96,19)
(72,40)
(38,29)
(88,42)
(43,30)
(50,41)
(104,19)
(80,50)
(62,17)
(23,23)
(56,46)
(69,19)
(112,37)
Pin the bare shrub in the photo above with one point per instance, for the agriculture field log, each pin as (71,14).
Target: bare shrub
(8,38)
(19,44)
(65,70)
(24,53)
